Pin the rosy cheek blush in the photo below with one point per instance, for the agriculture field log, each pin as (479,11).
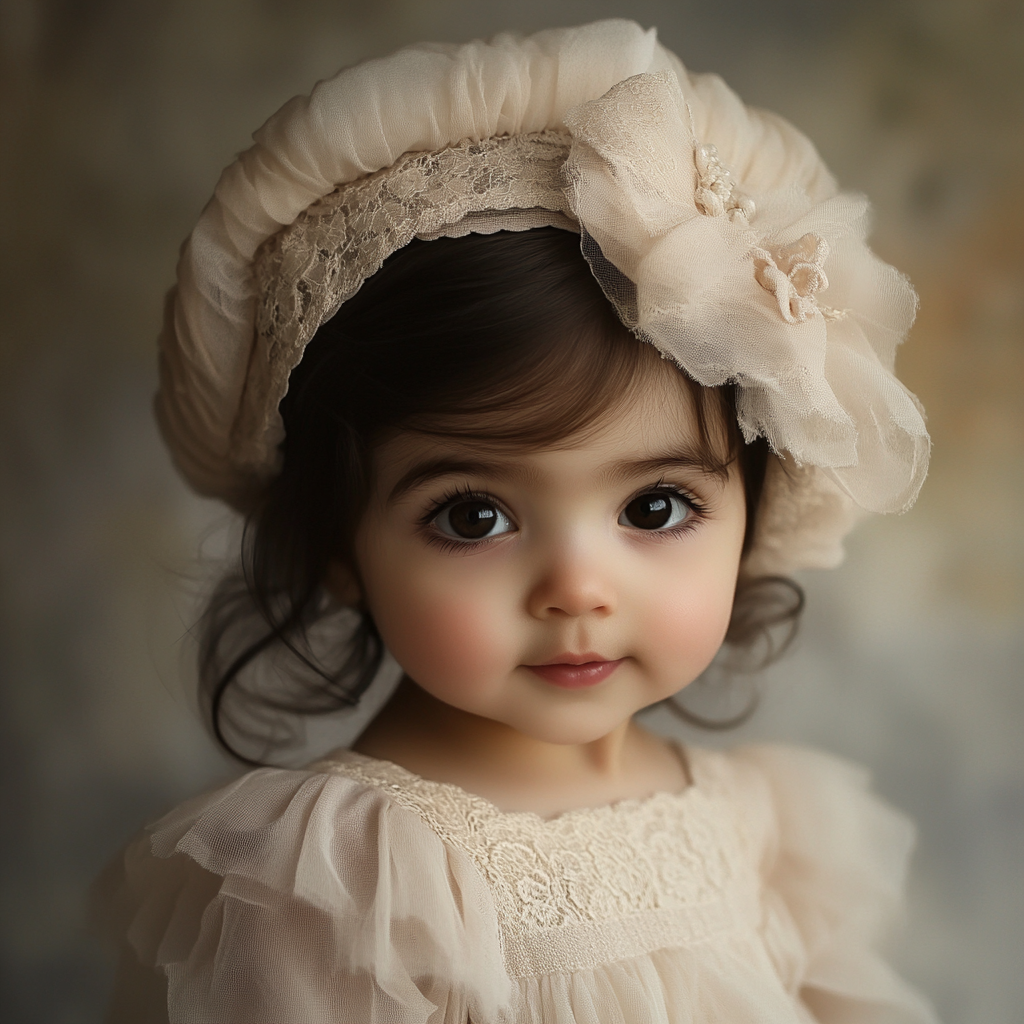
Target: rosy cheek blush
(685,633)
(448,642)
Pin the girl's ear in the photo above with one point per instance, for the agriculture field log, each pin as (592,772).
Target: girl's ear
(342,584)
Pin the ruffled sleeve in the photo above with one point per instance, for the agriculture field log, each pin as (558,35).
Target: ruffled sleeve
(309,897)
(834,864)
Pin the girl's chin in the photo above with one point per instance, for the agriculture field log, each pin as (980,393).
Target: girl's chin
(568,726)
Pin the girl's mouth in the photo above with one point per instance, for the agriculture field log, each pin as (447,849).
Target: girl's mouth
(571,673)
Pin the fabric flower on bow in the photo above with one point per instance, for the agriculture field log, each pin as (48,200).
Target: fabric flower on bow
(728,277)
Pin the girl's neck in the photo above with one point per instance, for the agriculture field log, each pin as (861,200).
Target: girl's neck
(515,771)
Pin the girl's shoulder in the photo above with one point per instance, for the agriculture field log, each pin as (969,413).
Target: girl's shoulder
(788,815)
(821,836)
(782,795)
(822,816)
(313,834)
(293,876)
(356,869)
(348,807)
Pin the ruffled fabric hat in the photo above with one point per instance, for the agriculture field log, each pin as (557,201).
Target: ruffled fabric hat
(715,230)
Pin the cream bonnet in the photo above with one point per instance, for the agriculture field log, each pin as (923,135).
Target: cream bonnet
(715,230)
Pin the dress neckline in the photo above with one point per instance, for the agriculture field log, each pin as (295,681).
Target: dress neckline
(388,775)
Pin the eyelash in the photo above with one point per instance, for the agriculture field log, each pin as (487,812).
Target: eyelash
(450,497)
(691,499)
(699,509)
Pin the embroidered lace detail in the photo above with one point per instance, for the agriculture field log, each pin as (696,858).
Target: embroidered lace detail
(305,272)
(794,275)
(666,870)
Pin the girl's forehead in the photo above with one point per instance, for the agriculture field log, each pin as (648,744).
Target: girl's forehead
(660,406)
(652,427)
(655,400)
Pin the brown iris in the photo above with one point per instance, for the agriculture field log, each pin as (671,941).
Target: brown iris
(649,511)
(472,519)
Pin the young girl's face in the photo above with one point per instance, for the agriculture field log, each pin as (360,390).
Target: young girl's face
(556,591)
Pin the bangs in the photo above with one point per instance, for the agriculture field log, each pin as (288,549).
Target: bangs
(503,339)
(561,389)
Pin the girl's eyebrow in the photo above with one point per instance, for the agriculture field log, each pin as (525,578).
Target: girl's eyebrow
(684,457)
(624,469)
(430,469)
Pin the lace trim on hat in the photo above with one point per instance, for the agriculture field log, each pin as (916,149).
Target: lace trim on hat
(305,272)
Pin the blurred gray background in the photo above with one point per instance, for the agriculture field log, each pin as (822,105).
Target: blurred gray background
(115,120)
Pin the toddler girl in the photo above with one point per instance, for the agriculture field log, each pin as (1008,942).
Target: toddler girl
(536,363)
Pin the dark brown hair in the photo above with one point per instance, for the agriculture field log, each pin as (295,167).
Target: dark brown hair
(446,334)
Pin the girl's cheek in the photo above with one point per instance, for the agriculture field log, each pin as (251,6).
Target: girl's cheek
(685,628)
(447,633)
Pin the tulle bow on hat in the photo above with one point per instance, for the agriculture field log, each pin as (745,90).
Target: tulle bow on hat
(770,290)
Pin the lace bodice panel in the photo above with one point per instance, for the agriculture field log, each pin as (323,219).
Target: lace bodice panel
(597,884)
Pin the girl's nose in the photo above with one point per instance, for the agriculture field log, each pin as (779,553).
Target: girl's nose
(571,584)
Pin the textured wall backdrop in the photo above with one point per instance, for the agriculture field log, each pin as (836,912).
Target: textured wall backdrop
(115,119)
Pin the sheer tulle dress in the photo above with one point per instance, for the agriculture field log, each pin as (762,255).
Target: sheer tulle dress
(354,891)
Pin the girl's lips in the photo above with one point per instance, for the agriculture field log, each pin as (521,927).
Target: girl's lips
(576,677)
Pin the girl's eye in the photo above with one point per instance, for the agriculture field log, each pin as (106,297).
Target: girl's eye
(658,510)
(472,520)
